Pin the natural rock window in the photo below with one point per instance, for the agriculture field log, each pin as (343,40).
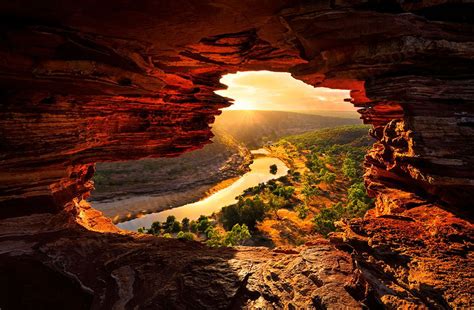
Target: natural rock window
(283,156)
(87,82)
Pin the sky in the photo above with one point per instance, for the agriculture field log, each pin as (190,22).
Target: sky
(279,91)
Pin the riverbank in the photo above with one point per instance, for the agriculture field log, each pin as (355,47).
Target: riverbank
(320,184)
(132,189)
(259,173)
(129,208)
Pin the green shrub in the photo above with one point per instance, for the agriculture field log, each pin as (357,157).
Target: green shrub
(203,223)
(247,212)
(296,176)
(155,228)
(175,227)
(324,220)
(185,224)
(284,191)
(329,178)
(310,191)
(185,235)
(357,200)
(302,211)
(237,235)
(214,238)
(193,227)
(357,205)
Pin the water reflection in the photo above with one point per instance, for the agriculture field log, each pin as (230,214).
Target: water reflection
(259,173)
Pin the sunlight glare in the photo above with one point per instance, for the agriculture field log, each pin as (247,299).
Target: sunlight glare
(279,91)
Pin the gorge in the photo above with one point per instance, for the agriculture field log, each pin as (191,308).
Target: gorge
(84,82)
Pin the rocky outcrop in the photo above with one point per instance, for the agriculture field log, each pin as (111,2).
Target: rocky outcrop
(148,272)
(416,258)
(84,82)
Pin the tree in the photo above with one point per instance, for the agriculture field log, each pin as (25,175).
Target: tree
(203,223)
(275,203)
(248,212)
(169,222)
(185,235)
(185,224)
(296,176)
(214,238)
(313,162)
(357,200)
(324,220)
(175,227)
(237,235)
(349,168)
(232,214)
(251,212)
(273,169)
(193,227)
(329,158)
(311,178)
(155,228)
(284,191)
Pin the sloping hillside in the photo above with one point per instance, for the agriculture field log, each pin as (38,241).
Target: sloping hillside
(324,185)
(256,128)
(355,135)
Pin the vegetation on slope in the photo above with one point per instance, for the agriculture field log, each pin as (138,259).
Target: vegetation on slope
(204,229)
(333,155)
(323,186)
(344,138)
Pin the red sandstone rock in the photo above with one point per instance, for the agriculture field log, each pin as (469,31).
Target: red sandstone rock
(83,82)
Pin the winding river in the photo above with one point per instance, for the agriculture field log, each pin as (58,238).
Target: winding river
(259,173)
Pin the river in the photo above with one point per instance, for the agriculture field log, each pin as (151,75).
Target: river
(259,173)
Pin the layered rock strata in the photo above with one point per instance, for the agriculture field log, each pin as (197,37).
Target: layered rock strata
(86,82)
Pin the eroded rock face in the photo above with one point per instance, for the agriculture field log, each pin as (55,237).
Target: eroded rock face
(141,270)
(83,82)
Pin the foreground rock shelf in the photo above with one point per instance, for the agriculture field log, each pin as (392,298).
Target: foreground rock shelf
(142,270)
(87,82)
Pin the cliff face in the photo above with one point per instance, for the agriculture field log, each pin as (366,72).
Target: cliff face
(82,82)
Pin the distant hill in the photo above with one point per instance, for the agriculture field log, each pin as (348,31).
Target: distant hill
(341,114)
(256,128)
(355,135)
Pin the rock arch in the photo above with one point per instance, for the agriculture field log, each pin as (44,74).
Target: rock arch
(83,82)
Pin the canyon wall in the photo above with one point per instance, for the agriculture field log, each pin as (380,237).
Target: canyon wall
(84,82)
